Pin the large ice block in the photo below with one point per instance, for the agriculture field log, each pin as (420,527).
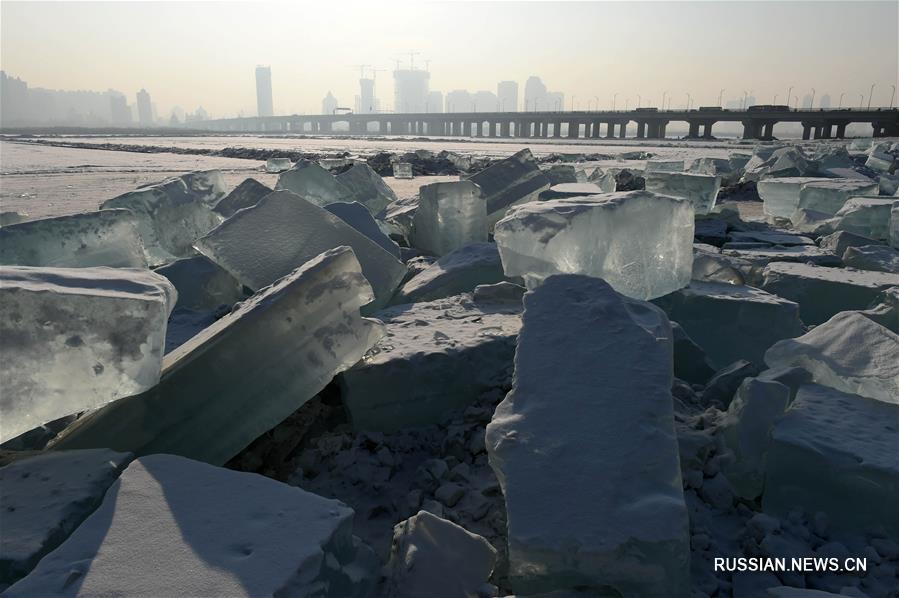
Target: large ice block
(867,216)
(559,174)
(170,526)
(283,231)
(412,376)
(849,352)
(457,272)
(781,194)
(45,497)
(314,184)
(103,238)
(821,292)
(732,322)
(699,189)
(573,190)
(402,170)
(880,161)
(515,180)
(566,441)
(664,166)
(171,215)
(606,181)
(836,452)
(880,258)
(838,242)
(894,224)
(248,371)
(640,242)
(367,187)
(356,215)
(450,216)
(829,195)
(276,165)
(74,339)
(201,283)
(245,195)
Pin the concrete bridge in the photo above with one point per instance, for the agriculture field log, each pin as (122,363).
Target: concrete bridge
(758,123)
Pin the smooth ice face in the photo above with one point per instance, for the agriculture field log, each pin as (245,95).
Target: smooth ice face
(245,195)
(639,242)
(567,440)
(367,187)
(515,180)
(356,215)
(282,232)
(564,190)
(103,238)
(75,339)
(880,161)
(829,195)
(664,166)
(833,449)
(867,216)
(849,352)
(173,214)
(402,170)
(781,194)
(314,184)
(879,258)
(248,371)
(450,216)
(276,165)
(699,189)
(174,527)
(457,272)
(201,283)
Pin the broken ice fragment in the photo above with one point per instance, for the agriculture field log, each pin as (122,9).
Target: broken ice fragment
(314,184)
(75,339)
(201,283)
(838,242)
(829,195)
(450,216)
(664,166)
(867,216)
(245,195)
(356,215)
(515,180)
(402,170)
(880,258)
(367,187)
(276,165)
(781,194)
(699,189)
(457,272)
(640,242)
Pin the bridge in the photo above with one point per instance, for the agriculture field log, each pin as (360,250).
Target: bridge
(758,123)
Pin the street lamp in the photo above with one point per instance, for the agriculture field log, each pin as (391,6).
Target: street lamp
(597,103)
(664,93)
(870,94)
(627,104)
(614,97)
(572,102)
(789,95)
(775,100)
(840,105)
(720,95)
(892,96)
(689,99)
(812,104)
(861,101)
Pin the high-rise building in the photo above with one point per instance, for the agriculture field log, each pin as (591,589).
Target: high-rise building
(485,101)
(410,90)
(144,109)
(535,95)
(825,101)
(365,101)
(435,102)
(264,105)
(507,94)
(459,100)
(329,104)
(120,113)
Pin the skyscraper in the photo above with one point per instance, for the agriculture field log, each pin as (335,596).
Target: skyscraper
(366,97)
(329,104)
(264,91)
(435,101)
(507,94)
(120,113)
(410,89)
(144,109)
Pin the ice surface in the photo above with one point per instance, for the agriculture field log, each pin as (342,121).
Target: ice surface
(248,371)
(821,292)
(894,224)
(171,215)
(849,352)
(746,429)
(732,322)
(572,190)
(759,258)
(867,216)
(245,195)
(75,339)
(450,215)
(457,272)
(829,195)
(838,242)
(880,258)
(664,166)
(367,187)
(772,237)
(276,165)
(781,194)
(567,440)
(885,310)
(201,283)
(402,170)
(261,244)
(515,180)
(314,184)
(711,266)
(103,238)
(357,215)
(170,526)
(812,222)
(433,557)
(699,189)
(413,375)
(640,242)
(45,497)
(690,361)
(836,452)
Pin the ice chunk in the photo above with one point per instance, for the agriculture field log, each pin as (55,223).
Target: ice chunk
(201,283)
(833,449)
(849,352)
(732,322)
(664,166)
(812,222)
(245,195)
(450,216)
(515,180)
(356,215)
(699,189)
(640,242)
(873,257)
(457,272)
(398,216)
(171,215)
(746,429)
(769,162)
(261,244)
(894,224)
(606,181)
(567,439)
(838,242)
(888,184)
(170,526)
(75,339)
(412,376)
(753,261)
(781,194)
(720,167)
(885,310)
(821,292)
(772,237)
(314,184)
(829,195)
(104,238)
(402,170)
(276,165)
(7,218)
(433,557)
(868,216)
(711,266)
(571,190)
(690,361)
(248,371)
(559,174)
(45,497)
(880,161)
(367,187)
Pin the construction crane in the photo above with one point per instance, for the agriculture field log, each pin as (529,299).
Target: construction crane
(361,68)
(412,54)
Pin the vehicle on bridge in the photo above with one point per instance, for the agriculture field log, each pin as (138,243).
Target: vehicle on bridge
(646,109)
(712,109)
(768,108)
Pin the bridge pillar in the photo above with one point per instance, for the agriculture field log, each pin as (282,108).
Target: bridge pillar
(806,131)
(623,133)
(827,130)
(595,133)
(641,129)
(707,130)
(819,131)
(768,130)
(574,129)
(841,130)
(694,130)
(750,129)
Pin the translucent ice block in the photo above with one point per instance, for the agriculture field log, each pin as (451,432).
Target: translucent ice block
(314,184)
(867,216)
(828,196)
(699,189)
(450,215)
(276,165)
(402,170)
(245,195)
(367,187)
(781,194)
(515,180)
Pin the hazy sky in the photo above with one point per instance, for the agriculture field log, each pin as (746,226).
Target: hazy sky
(204,53)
